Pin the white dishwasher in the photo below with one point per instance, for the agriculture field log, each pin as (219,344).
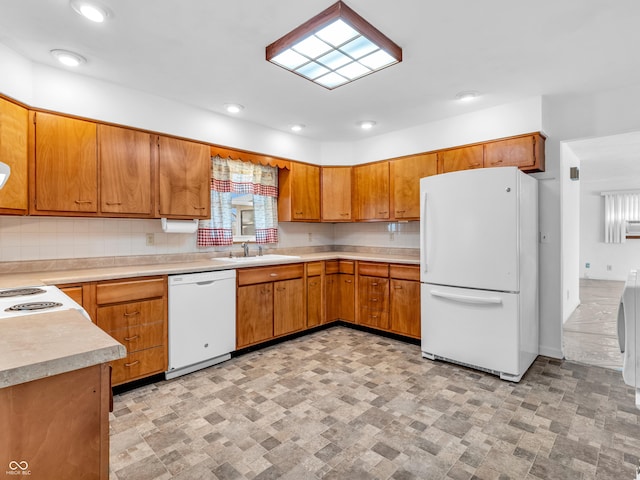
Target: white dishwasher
(202,320)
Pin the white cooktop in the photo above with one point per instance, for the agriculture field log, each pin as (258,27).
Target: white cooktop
(15,302)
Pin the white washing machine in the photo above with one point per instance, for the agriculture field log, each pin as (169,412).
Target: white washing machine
(629,332)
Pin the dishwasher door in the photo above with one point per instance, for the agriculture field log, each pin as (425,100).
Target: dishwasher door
(202,320)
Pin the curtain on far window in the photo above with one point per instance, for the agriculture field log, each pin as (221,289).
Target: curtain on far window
(619,208)
(232,176)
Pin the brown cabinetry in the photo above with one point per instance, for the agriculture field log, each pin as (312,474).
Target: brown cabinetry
(340,290)
(184,178)
(336,194)
(134,312)
(13,152)
(525,152)
(405,174)
(462,158)
(315,293)
(126,179)
(404,301)
(299,193)
(58,424)
(371,191)
(271,302)
(65,166)
(373,295)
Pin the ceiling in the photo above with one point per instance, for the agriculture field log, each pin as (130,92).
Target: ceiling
(207,53)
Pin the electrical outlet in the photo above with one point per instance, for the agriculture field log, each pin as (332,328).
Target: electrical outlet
(310,235)
(151,239)
(587,265)
(608,268)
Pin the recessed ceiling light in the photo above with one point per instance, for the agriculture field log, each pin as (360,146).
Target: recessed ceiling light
(70,59)
(233,107)
(367,124)
(91,10)
(333,48)
(297,127)
(466,96)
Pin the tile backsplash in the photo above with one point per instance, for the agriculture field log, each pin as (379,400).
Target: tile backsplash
(43,238)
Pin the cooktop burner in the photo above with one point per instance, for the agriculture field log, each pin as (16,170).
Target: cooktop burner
(33,306)
(19,292)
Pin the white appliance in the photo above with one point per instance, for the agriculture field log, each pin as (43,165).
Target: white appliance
(629,333)
(479,269)
(202,320)
(21,301)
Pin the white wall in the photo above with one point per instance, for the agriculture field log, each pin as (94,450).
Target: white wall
(622,257)
(570,237)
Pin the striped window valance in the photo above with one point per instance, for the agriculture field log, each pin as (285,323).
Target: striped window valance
(254,158)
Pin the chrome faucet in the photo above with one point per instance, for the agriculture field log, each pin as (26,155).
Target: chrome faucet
(260,250)
(245,248)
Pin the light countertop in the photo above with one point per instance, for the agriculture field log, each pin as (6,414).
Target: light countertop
(45,344)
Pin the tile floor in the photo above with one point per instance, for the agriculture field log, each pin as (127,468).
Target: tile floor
(346,404)
(590,334)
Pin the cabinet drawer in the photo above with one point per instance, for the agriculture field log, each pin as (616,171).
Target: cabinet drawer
(125,315)
(126,291)
(139,364)
(347,266)
(331,266)
(373,269)
(314,269)
(405,272)
(140,337)
(250,276)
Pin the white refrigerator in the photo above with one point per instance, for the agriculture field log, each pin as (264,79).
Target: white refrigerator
(479,269)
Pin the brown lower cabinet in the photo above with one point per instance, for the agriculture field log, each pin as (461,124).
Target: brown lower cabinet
(315,293)
(271,302)
(404,300)
(58,426)
(340,290)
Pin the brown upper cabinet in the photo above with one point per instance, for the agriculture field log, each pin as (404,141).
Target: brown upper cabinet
(65,166)
(405,174)
(184,173)
(125,171)
(371,191)
(525,152)
(336,194)
(14,121)
(462,158)
(299,193)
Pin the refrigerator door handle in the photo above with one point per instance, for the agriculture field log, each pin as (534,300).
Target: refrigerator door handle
(467,298)
(423,223)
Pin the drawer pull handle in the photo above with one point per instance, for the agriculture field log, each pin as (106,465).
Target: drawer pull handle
(348,281)
(497,162)
(281,289)
(344,214)
(199,208)
(313,284)
(127,314)
(83,201)
(397,286)
(273,274)
(374,284)
(128,339)
(132,363)
(114,203)
(374,299)
(383,213)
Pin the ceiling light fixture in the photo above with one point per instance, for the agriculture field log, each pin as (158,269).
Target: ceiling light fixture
(297,127)
(467,96)
(335,47)
(70,59)
(91,10)
(367,124)
(233,107)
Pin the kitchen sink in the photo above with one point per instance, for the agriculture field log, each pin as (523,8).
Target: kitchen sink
(256,258)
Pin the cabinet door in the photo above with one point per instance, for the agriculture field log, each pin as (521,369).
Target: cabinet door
(336,194)
(405,176)
(314,301)
(347,307)
(66,170)
(463,158)
(404,310)
(288,306)
(299,193)
(522,152)
(332,303)
(125,171)
(13,151)
(373,301)
(254,310)
(184,171)
(371,196)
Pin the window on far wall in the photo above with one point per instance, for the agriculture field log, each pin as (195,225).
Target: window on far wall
(621,216)
(244,204)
